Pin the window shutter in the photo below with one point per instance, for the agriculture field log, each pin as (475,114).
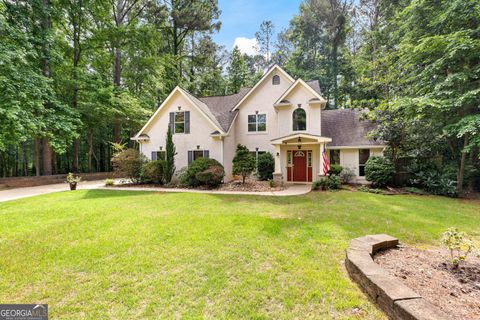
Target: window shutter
(206,154)
(154,155)
(172,122)
(187,121)
(190,157)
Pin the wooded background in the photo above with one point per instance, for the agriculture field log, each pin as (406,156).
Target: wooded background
(76,75)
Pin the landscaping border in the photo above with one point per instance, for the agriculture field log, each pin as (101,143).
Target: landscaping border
(397,300)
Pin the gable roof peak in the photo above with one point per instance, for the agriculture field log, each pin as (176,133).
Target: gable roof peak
(297,82)
(265,75)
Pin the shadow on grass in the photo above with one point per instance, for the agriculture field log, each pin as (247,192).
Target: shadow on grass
(103,193)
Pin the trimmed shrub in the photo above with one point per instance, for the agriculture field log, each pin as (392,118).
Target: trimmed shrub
(335,169)
(347,175)
(265,166)
(243,162)
(379,171)
(327,183)
(201,166)
(128,164)
(109,182)
(211,177)
(152,171)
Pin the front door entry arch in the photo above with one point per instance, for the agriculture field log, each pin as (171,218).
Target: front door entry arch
(299,165)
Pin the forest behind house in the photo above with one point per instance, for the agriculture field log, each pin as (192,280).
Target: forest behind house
(78,76)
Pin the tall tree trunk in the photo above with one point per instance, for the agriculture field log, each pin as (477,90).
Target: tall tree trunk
(117,68)
(76,144)
(25,159)
(90,150)
(38,156)
(47,150)
(46,157)
(461,170)
(76,20)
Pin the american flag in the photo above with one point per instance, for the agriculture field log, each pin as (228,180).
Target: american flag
(326,162)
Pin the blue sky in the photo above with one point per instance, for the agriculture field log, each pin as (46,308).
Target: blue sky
(241,19)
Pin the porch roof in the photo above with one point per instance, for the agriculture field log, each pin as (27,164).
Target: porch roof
(295,137)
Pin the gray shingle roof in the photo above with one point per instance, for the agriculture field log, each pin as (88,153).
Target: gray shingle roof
(221,106)
(347,128)
(315,85)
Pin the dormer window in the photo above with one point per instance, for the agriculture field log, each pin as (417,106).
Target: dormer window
(299,119)
(276,80)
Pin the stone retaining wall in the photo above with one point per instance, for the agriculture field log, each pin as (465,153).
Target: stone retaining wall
(396,299)
(19,182)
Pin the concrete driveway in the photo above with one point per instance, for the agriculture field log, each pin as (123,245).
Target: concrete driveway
(17,193)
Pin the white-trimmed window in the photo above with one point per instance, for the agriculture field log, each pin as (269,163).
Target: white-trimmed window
(159,155)
(334,156)
(196,154)
(363,155)
(180,121)
(299,120)
(276,80)
(257,122)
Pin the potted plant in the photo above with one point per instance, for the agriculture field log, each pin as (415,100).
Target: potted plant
(72,180)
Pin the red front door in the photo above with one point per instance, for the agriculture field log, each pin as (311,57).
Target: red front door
(299,165)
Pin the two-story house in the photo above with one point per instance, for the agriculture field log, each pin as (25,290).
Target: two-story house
(281,115)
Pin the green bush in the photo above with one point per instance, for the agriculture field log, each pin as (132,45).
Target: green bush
(459,245)
(327,183)
(265,166)
(436,183)
(211,177)
(379,171)
(243,162)
(335,169)
(128,164)
(200,171)
(152,171)
(347,175)
(109,182)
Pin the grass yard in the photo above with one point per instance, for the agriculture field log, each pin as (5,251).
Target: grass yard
(124,254)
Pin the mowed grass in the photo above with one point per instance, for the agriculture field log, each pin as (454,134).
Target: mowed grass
(138,255)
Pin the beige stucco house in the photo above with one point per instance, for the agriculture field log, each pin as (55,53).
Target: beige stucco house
(280,115)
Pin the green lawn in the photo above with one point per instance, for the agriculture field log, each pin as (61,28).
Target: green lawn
(120,254)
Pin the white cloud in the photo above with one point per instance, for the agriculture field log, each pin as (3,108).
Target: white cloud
(246,46)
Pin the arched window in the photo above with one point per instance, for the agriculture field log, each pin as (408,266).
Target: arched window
(276,80)
(299,117)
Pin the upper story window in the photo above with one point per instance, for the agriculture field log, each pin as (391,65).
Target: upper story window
(180,121)
(299,117)
(276,80)
(257,122)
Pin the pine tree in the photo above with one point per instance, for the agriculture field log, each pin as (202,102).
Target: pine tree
(243,162)
(170,157)
(237,71)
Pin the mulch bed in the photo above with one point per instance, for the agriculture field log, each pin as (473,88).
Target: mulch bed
(251,185)
(430,273)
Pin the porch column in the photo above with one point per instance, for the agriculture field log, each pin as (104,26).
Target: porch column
(278,168)
(277,175)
